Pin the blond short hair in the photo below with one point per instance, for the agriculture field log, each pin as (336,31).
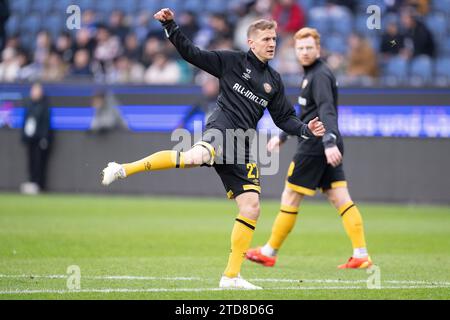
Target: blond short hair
(306,33)
(261,24)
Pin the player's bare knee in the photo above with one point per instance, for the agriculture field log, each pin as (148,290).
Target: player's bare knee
(291,198)
(250,210)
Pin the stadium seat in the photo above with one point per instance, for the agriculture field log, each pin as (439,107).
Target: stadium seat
(437,23)
(421,71)
(396,71)
(442,6)
(442,71)
(128,6)
(322,24)
(335,43)
(31,23)
(215,6)
(62,5)
(42,6)
(193,5)
(20,6)
(54,23)
(13,24)
(342,25)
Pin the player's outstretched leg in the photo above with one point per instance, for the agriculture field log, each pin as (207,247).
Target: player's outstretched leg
(162,160)
(282,226)
(241,237)
(353,225)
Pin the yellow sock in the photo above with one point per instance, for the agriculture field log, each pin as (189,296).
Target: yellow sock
(353,224)
(283,224)
(241,236)
(158,161)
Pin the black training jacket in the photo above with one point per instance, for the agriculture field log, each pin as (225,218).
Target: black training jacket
(319,98)
(247,87)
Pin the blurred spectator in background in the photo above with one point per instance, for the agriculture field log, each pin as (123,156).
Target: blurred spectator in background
(188,23)
(140,26)
(4,15)
(151,47)
(117,25)
(210,91)
(89,20)
(83,40)
(418,38)
(163,70)
(37,137)
(362,61)
(247,12)
(54,68)
(107,117)
(392,42)
(126,70)
(218,28)
(9,67)
(132,49)
(65,47)
(108,47)
(43,47)
(82,65)
(289,15)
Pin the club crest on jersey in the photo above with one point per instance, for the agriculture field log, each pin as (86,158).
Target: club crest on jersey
(304,83)
(246,74)
(267,87)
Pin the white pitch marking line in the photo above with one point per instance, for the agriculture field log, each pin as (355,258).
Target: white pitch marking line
(127,290)
(127,277)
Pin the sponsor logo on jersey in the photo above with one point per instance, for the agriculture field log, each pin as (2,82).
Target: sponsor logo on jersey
(246,74)
(250,95)
(267,87)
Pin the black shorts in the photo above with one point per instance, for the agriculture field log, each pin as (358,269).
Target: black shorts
(239,178)
(307,173)
(239,174)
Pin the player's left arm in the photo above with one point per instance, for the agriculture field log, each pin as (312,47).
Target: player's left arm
(324,100)
(283,114)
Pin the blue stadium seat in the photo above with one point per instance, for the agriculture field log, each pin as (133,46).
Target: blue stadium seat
(442,6)
(322,24)
(85,4)
(444,46)
(215,6)
(437,23)
(54,23)
(193,5)
(13,24)
(20,6)
(442,68)
(396,71)
(62,5)
(42,6)
(149,6)
(307,4)
(421,70)
(343,25)
(335,43)
(31,23)
(105,7)
(128,6)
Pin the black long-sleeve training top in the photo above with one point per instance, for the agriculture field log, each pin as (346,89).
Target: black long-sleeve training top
(247,87)
(319,98)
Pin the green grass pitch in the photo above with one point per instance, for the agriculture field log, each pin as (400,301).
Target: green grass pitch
(168,248)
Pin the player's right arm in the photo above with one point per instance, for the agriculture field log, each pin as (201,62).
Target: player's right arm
(213,62)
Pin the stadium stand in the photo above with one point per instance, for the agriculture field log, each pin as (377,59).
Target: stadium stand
(335,20)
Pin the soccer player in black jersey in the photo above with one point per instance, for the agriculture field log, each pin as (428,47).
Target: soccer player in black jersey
(248,85)
(318,161)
